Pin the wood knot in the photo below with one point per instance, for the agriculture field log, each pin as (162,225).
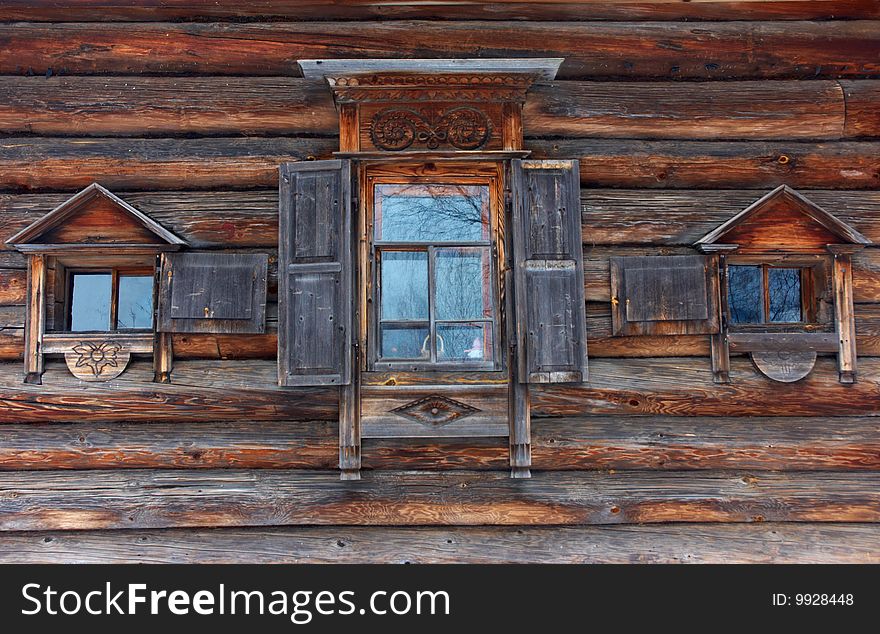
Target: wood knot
(783,159)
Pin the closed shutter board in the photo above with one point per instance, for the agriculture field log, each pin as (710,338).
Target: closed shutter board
(213,293)
(315,294)
(549,278)
(664,295)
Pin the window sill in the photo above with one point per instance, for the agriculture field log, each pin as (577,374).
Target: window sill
(783,341)
(134,342)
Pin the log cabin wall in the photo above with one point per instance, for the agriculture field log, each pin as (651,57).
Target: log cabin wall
(681,114)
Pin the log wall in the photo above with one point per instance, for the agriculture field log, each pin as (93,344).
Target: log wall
(681,114)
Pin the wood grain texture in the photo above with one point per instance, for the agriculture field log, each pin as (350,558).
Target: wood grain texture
(250,163)
(717,165)
(618,217)
(585,443)
(670,218)
(159,106)
(717,50)
(230,390)
(200,390)
(764,543)
(150,10)
(684,387)
(74,500)
(123,164)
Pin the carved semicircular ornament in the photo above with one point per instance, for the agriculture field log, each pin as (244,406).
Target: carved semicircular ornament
(97,360)
(785,367)
(435,410)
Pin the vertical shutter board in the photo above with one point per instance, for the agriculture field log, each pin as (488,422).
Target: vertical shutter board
(549,278)
(315,242)
(213,293)
(664,295)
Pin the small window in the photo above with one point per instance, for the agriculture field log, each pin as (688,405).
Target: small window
(104,301)
(766,294)
(433,256)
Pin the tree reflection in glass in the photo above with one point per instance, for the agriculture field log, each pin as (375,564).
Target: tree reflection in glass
(748,286)
(435,271)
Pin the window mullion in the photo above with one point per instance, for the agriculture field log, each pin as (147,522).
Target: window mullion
(114,299)
(432,328)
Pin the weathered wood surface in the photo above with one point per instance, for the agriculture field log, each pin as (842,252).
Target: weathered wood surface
(247,390)
(125,164)
(599,442)
(246,163)
(150,10)
(684,387)
(619,217)
(710,50)
(76,500)
(763,543)
(680,217)
(201,390)
(158,106)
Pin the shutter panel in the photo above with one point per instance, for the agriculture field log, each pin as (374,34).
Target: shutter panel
(664,295)
(549,272)
(314,274)
(213,293)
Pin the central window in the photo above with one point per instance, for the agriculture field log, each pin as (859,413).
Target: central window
(434,286)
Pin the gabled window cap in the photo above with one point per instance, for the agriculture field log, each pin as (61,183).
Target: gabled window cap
(25,239)
(839,228)
(545,68)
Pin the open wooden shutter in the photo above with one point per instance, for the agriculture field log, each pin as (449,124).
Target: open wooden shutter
(314,274)
(549,272)
(664,295)
(213,293)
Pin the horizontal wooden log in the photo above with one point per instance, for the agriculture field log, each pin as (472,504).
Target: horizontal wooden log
(249,163)
(131,164)
(628,217)
(684,387)
(150,10)
(765,543)
(78,500)
(158,106)
(598,442)
(710,50)
(201,390)
(13,287)
(623,218)
(236,390)
(717,165)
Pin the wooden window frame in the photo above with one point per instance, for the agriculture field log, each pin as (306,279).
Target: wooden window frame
(115,272)
(489,175)
(815,281)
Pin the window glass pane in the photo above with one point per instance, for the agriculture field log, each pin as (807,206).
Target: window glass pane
(90,303)
(461,284)
(404,282)
(135,308)
(464,342)
(785,295)
(405,342)
(745,296)
(432,213)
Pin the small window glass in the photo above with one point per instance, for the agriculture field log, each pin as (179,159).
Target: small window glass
(105,301)
(763,294)
(135,308)
(434,273)
(91,296)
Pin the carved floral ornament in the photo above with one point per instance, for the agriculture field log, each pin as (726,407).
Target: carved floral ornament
(396,129)
(97,360)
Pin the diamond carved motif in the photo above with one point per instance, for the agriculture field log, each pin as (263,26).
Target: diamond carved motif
(435,410)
